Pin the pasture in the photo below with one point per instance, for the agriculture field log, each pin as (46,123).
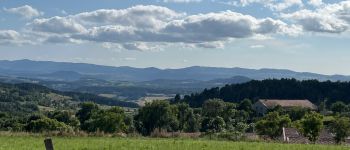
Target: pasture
(16,142)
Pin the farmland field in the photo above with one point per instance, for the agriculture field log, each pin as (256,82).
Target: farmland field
(104,143)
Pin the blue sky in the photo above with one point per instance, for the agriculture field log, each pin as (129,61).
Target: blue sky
(301,35)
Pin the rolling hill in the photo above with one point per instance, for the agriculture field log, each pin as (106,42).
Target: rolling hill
(61,70)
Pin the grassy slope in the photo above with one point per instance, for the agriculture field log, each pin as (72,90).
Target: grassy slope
(98,143)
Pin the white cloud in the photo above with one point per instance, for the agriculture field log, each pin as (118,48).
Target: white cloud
(202,28)
(315,3)
(137,27)
(286,4)
(210,45)
(140,16)
(181,1)
(57,25)
(275,5)
(9,35)
(332,18)
(60,39)
(25,11)
(315,22)
(12,37)
(140,46)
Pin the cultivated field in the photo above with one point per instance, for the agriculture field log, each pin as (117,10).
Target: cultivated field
(104,143)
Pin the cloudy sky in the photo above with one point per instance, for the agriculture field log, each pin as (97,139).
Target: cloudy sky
(301,35)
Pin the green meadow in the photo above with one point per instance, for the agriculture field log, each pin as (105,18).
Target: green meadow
(110,143)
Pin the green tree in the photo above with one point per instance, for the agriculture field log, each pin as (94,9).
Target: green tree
(193,123)
(155,115)
(65,117)
(322,106)
(213,107)
(297,113)
(339,107)
(246,105)
(340,127)
(272,124)
(183,114)
(46,124)
(311,126)
(177,98)
(86,111)
(213,125)
(109,121)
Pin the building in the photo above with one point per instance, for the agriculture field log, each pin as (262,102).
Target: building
(263,105)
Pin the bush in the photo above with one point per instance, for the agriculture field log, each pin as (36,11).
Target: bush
(46,124)
(272,124)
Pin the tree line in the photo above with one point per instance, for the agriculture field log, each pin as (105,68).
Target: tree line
(214,118)
(313,90)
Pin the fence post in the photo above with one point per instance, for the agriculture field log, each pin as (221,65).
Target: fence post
(48,144)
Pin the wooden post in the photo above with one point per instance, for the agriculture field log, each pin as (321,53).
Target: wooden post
(284,134)
(48,144)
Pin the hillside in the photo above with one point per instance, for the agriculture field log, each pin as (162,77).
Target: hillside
(21,99)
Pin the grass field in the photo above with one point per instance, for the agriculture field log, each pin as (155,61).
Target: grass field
(104,143)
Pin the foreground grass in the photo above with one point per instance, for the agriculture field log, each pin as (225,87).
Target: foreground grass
(104,143)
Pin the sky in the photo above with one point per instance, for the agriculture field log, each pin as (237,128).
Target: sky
(300,35)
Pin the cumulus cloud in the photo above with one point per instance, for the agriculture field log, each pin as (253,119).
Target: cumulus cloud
(210,45)
(275,5)
(286,4)
(8,35)
(315,22)
(137,16)
(57,25)
(140,46)
(25,11)
(12,37)
(136,26)
(332,18)
(315,3)
(191,29)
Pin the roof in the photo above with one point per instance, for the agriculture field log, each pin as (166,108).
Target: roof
(271,103)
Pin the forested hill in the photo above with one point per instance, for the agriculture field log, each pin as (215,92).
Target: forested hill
(313,90)
(18,99)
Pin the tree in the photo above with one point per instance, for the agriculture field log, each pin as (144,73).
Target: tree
(46,124)
(322,106)
(193,123)
(177,98)
(272,124)
(311,126)
(183,114)
(339,107)
(340,127)
(297,113)
(246,105)
(109,121)
(154,115)
(213,125)
(86,111)
(65,117)
(213,107)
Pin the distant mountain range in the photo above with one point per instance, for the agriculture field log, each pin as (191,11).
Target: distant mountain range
(65,71)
